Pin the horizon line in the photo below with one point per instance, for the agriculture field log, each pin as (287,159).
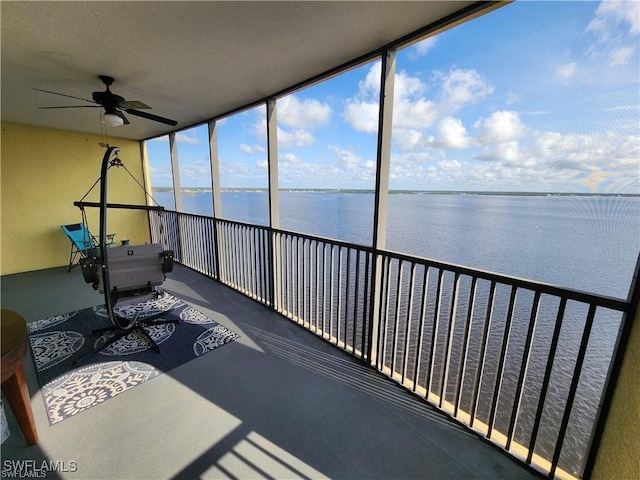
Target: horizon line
(399,191)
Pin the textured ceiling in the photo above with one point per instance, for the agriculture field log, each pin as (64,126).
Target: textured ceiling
(190,61)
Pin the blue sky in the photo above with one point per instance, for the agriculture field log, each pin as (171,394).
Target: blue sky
(536,96)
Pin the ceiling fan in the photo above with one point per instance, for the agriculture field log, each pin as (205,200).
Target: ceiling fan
(113,105)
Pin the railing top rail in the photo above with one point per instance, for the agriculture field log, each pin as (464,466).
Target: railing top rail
(542,287)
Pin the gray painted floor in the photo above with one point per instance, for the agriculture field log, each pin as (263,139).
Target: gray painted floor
(279,402)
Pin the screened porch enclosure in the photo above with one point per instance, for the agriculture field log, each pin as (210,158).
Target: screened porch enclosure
(523,362)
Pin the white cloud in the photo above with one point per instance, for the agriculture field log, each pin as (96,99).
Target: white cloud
(235,169)
(370,86)
(460,87)
(406,86)
(161,175)
(361,115)
(605,161)
(351,166)
(194,172)
(506,153)
(454,90)
(345,169)
(410,139)
(616,25)
(411,108)
(295,138)
(566,71)
(182,137)
(250,150)
(423,47)
(308,113)
(512,98)
(420,113)
(290,161)
(349,159)
(621,55)
(610,14)
(499,127)
(452,168)
(452,134)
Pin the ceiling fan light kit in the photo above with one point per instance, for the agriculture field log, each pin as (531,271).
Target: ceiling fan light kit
(112,120)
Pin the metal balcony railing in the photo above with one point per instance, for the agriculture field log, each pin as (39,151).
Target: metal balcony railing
(523,364)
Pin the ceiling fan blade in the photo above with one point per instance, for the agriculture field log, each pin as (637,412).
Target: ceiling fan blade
(121,115)
(150,116)
(133,104)
(64,95)
(72,106)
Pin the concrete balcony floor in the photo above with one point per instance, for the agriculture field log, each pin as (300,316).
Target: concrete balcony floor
(278,402)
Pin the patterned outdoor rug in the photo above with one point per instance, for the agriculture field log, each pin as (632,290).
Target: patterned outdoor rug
(57,342)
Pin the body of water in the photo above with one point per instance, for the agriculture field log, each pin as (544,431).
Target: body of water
(589,243)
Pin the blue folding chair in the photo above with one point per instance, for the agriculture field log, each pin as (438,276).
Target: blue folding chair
(83,244)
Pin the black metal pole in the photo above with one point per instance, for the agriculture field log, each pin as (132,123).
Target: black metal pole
(104,261)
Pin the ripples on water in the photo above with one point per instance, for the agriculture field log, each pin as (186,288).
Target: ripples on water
(588,243)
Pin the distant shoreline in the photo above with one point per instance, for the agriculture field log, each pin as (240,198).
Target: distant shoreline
(199,190)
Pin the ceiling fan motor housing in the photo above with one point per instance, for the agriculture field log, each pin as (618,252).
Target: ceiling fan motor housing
(107,98)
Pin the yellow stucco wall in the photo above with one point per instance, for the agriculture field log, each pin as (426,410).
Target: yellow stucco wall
(619,453)
(42,172)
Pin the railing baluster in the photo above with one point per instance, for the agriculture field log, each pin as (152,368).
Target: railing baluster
(308,290)
(240,259)
(483,350)
(526,356)
(324,288)
(295,280)
(340,296)
(309,262)
(236,257)
(502,360)
(423,313)
(407,337)
(356,298)
(462,369)
(572,390)
(347,297)
(367,304)
(396,319)
(316,286)
(303,268)
(452,323)
(384,312)
(292,277)
(331,292)
(232,254)
(226,252)
(279,276)
(434,330)
(547,377)
(264,270)
(255,263)
(299,283)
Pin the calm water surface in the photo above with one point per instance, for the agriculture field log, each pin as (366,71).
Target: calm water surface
(589,243)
